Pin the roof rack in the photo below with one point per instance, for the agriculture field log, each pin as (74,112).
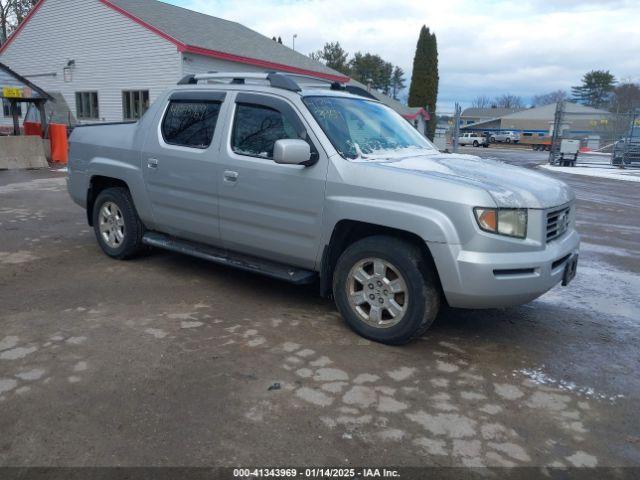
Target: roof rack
(277,80)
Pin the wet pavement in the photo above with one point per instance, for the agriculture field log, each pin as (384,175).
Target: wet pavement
(169,360)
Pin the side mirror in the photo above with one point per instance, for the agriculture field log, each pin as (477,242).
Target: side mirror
(291,152)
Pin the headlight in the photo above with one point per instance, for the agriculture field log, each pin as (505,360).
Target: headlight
(511,222)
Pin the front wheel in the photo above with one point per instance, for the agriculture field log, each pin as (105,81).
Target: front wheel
(475,143)
(386,289)
(508,140)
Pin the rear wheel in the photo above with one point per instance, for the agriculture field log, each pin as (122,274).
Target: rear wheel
(386,289)
(117,226)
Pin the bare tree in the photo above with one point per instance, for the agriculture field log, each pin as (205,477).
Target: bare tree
(482,101)
(12,14)
(626,98)
(7,21)
(21,9)
(551,97)
(509,101)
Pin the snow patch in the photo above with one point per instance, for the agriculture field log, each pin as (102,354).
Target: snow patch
(539,377)
(609,172)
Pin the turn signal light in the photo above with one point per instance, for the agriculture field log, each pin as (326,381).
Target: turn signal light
(510,222)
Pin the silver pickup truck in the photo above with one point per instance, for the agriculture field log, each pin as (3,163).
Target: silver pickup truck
(320,185)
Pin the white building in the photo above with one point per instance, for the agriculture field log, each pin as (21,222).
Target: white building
(108,59)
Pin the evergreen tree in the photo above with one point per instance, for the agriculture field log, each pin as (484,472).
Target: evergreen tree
(423,91)
(596,88)
(397,82)
(335,57)
(280,40)
(371,70)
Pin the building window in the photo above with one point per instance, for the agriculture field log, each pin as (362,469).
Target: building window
(6,108)
(87,106)
(134,104)
(190,124)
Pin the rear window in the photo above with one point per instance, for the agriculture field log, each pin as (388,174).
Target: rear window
(190,124)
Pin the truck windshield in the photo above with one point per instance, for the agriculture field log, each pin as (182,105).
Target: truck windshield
(366,130)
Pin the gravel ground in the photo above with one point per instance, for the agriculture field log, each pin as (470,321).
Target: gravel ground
(168,360)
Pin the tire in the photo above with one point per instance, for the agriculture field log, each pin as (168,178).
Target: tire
(407,268)
(508,140)
(485,145)
(475,143)
(492,139)
(116,224)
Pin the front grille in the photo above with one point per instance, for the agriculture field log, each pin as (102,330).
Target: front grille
(558,222)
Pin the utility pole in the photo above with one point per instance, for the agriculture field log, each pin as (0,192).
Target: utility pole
(556,135)
(295,35)
(456,127)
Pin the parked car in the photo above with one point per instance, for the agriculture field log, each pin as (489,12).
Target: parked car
(506,136)
(472,139)
(324,186)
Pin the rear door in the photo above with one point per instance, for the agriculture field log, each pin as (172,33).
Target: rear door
(267,209)
(180,161)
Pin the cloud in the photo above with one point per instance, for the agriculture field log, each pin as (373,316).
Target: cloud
(489,47)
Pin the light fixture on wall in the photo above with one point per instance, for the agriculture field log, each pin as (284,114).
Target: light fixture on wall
(68,72)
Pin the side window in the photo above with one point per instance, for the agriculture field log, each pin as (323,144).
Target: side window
(190,123)
(256,128)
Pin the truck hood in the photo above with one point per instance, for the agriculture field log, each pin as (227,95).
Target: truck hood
(508,185)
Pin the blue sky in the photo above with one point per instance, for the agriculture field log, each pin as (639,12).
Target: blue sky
(486,47)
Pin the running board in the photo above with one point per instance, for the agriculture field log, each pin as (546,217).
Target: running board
(217,255)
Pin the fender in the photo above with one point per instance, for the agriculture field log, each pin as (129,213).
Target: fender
(427,223)
(129,174)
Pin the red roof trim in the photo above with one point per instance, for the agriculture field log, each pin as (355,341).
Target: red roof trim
(422,112)
(13,36)
(260,63)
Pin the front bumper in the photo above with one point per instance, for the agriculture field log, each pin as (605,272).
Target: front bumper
(491,280)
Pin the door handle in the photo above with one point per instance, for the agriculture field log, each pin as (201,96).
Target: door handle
(152,163)
(231,177)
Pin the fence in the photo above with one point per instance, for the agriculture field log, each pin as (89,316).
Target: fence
(544,128)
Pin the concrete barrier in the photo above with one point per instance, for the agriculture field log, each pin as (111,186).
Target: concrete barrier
(22,152)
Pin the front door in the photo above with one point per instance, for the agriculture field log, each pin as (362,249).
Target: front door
(267,209)
(181,166)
